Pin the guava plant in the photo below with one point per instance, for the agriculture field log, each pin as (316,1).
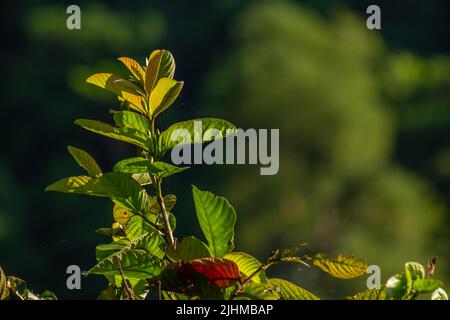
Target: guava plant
(143,259)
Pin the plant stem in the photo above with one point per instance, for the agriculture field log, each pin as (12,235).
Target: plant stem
(128,290)
(169,234)
(241,285)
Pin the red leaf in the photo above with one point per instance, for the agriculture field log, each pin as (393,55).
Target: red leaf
(220,272)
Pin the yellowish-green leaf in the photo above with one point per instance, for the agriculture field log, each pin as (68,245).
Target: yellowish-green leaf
(121,87)
(132,120)
(122,134)
(121,215)
(163,95)
(80,185)
(142,178)
(341,267)
(4,291)
(135,68)
(217,218)
(258,291)
(197,130)
(290,291)
(191,248)
(248,265)
(160,64)
(86,161)
(141,165)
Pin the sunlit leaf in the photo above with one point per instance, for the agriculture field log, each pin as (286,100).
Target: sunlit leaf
(141,165)
(197,129)
(248,265)
(80,185)
(397,287)
(426,285)
(86,161)
(4,291)
(121,215)
(132,165)
(191,248)
(137,226)
(121,87)
(129,135)
(136,259)
(341,267)
(290,291)
(258,291)
(163,95)
(125,191)
(370,294)
(142,178)
(132,120)
(135,68)
(160,64)
(217,218)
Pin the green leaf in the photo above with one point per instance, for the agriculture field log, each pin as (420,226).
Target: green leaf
(139,259)
(142,165)
(197,128)
(258,291)
(397,287)
(290,291)
(4,291)
(160,64)
(142,178)
(217,218)
(85,161)
(132,120)
(163,95)
(191,248)
(80,185)
(125,191)
(129,135)
(426,285)
(121,215)
(136,227)
(132,165)
(103,251)
(439,294)
(248,265)
(413,271)
(121,188)
(370,294)
(164,170)
(135,263)
(341,267)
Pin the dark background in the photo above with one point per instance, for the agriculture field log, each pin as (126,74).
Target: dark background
(364,119)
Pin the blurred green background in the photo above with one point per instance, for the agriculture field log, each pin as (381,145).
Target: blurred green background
(364,119)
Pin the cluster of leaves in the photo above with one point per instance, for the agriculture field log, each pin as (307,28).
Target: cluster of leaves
(12,287)
(144,259)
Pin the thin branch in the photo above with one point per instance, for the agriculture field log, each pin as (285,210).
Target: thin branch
(246,280)
(128,290)
(169,233)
